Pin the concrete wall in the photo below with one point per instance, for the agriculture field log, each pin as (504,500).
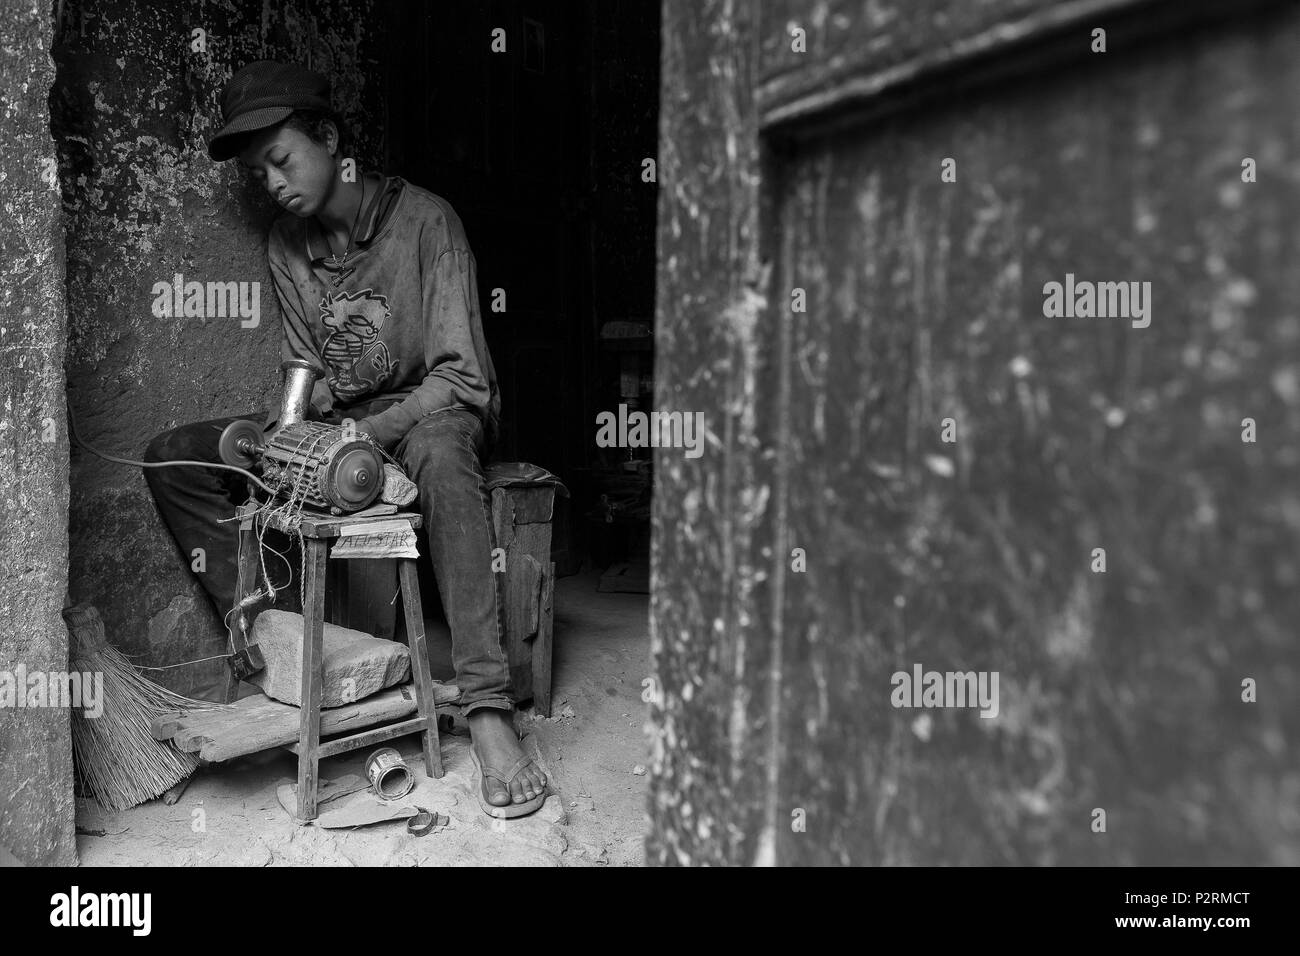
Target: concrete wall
(36,818)
(133,105)
(778,738)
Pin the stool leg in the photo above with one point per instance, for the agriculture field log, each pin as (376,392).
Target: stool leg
(313,666)
(420,667)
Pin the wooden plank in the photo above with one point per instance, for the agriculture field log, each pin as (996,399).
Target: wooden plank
(521,520)
(524,581)
(525,505)
(377,735)
(181,726)
(533,540)
(313,677)
(328,526)
(542,646)
(268,723)
(503,518)
(520,592)
(258,723)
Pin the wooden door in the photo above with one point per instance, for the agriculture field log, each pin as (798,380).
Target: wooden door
(911,464)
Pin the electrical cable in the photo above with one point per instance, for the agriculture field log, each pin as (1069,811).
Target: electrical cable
(290,511)
(72,421)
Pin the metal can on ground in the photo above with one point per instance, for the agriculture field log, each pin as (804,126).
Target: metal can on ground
(389,776)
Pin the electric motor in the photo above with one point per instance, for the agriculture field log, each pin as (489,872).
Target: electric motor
(321,466)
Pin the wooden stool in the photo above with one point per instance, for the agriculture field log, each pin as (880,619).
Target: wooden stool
(317,533)
(523,501)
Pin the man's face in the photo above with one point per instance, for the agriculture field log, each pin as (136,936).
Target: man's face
(298,172)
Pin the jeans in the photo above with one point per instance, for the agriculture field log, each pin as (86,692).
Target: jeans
(443,454)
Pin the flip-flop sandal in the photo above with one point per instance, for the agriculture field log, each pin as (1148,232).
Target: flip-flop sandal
(510,810)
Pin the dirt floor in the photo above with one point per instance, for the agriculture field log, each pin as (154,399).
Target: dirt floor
(594,747)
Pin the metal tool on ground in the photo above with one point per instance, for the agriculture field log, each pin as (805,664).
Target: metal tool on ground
(422,823)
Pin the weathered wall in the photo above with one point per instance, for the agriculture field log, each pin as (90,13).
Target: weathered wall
(36,814)
(1118,690)
(133,106)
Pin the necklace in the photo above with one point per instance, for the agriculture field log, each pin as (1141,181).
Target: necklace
(338,262)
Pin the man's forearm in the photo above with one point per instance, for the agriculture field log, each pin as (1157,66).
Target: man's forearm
(391,425)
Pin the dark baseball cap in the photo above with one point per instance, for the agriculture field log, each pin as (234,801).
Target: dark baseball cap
(262,94)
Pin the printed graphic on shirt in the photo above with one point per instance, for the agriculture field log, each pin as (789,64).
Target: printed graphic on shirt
(359,363)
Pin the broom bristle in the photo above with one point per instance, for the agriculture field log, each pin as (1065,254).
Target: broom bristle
(118,760)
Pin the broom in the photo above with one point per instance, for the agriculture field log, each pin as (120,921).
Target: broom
(117,758)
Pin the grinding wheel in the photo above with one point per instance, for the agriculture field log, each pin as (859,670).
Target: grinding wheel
(355,476)
(240,443)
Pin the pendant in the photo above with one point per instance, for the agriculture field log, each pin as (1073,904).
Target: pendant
(337,263)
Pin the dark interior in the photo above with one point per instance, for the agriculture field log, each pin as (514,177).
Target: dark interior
(541,155)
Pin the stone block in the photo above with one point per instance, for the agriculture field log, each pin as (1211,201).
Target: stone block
(356,664)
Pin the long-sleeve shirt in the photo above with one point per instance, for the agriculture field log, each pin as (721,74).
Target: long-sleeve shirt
(401,335)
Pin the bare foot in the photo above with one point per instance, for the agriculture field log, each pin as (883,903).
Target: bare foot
(494,738)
